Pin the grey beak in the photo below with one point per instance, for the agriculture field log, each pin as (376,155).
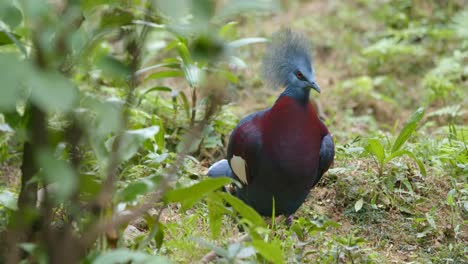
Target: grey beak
(315,86)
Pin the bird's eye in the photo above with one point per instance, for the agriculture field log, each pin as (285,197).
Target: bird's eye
(300,76)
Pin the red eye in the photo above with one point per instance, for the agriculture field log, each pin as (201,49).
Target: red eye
(299,75)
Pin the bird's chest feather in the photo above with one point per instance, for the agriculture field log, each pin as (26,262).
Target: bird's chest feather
(293,137)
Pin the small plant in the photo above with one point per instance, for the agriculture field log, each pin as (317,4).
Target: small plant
(383,156)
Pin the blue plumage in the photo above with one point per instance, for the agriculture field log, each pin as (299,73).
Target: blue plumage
(280,153)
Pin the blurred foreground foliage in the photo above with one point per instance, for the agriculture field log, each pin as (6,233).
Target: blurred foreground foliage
(111,111)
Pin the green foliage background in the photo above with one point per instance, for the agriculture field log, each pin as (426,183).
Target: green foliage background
(111,111)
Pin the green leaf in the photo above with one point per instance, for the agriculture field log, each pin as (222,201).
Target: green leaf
(116,17)
(243,209)
(5,37)
(172,65)
(358,205)
(233,8)
(9,38)
(245,41)
(52,92)
(8,200)
(11,15)
(184,53)
(160,140)
(132,140)
(269,250)
(123,255)
(190,195)
(57,172)
(238,62)
(91,4)
(218,250)
(193,75)
(409,154)
(11,80)
(185,104)
(154,89)
(375,147)
(228,31)
(114,68)
(135,189)
(408,129)
(229,76)
(430,220)
(165,74)
(216,211)
(450,197)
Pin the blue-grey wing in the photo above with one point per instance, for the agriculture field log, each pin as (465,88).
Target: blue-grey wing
(327,154)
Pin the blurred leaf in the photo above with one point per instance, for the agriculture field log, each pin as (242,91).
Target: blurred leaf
(459,24)
(450,197)
(216,211)
(135,189)
(154,89)
(91,4)
(5,37)
(245,41)
(229,76)
(89,186)
(160,141)
(218,250)
(193,75)
(207,48)
(185,103)
(11,80)
(132,140)
(116,17)
(165,74)
(190,195)
(173,65)
(114,68)
(11,15)
(232,8)
(270,251)
(358,205)
(243,209)
(246,252)
(175,9)
(123,255)
(52,92)
(184,53)
(238,62)
(8,200)
(430,220)
(408,129)
(228,31)
(59,173)
(159,236)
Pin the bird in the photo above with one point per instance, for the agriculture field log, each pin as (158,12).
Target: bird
(279,154)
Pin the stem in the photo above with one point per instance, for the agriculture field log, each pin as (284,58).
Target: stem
(194,106)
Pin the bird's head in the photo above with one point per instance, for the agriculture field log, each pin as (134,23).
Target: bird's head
(288,62)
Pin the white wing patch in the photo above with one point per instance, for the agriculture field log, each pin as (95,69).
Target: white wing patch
(239,166)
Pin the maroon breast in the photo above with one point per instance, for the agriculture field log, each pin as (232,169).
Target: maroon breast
(294,137)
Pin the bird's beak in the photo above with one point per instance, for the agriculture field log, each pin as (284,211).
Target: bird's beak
(314,86)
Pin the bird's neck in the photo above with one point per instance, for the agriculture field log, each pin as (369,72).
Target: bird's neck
(301,95)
